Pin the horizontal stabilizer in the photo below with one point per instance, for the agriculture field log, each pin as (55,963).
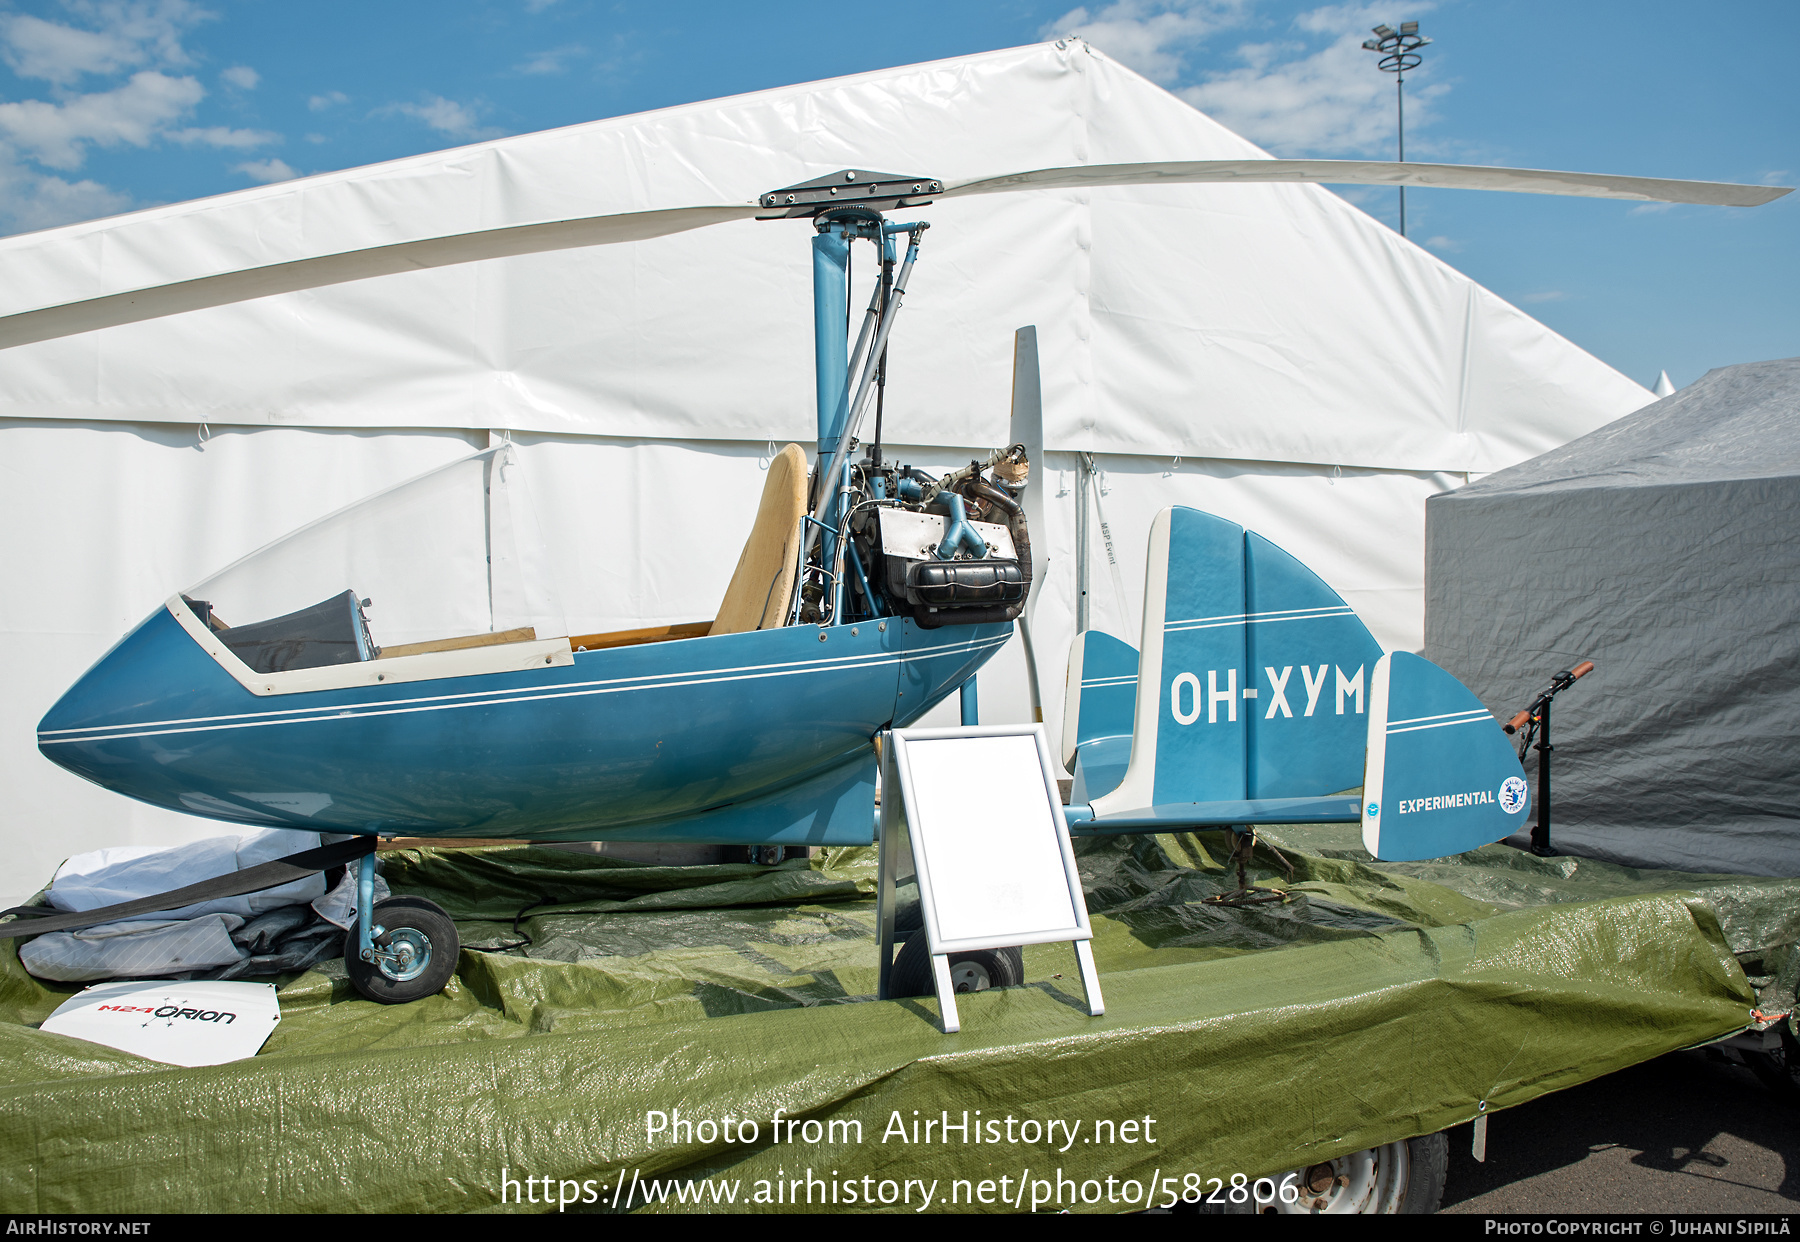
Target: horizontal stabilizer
(1442,778)
(1180,816)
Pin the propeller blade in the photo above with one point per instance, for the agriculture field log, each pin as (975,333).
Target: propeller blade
(1027,428)
(224,288)
(1378,172)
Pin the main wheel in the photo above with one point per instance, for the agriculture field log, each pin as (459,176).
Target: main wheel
(1779,1068)
(973,970)
(415,952)
(1404,1178)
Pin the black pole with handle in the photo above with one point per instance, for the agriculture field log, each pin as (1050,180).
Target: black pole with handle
(1535,720)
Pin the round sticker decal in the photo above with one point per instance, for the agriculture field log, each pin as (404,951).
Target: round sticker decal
(1512,795)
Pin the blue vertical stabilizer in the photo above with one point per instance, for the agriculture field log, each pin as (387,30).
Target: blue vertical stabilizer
(1097,706)
(1442,777)
(1253,684)
(1309,658)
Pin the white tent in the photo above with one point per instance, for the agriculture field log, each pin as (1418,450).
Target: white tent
(1266,352)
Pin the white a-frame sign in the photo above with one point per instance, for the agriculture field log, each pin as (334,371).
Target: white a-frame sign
(980,808)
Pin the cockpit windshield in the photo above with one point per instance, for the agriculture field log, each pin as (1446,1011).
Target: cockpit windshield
(449,560)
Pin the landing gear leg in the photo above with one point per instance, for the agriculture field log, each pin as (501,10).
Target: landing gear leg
(402,951)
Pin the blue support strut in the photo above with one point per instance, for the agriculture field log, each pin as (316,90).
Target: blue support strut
(831,354)
(831,363)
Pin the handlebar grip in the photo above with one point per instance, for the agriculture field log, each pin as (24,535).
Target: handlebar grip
(1581,670)
(1518,722)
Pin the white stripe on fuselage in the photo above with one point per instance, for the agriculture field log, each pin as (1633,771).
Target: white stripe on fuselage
(484,698)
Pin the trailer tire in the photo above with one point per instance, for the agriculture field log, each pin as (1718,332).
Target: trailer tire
(973,970)
(1403,1179)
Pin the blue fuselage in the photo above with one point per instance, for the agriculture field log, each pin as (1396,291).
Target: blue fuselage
(716,738)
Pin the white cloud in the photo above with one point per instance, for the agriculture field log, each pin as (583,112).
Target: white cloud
(223,136)
(39,49)
(317,138)
(123,34)
(1148,35)
(138,44)
(1551,295)
(34,200)
(330,99)
(555,60)
(1443,245)
(1329,99)
(1312,88)
(446,116)
(538,6)
(136,113)
(266,171)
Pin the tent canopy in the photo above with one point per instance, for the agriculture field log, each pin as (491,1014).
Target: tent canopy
(1265,352)
(1248,322)
(1662,548)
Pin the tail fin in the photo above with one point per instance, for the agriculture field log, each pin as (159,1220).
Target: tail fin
(1442,778)
(1309,657)
(1253,674)
(1097,708)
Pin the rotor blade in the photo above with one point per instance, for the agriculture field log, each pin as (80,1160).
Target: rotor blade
(221,289)
(1378,172)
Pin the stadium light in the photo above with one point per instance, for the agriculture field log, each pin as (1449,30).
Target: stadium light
(1399,51)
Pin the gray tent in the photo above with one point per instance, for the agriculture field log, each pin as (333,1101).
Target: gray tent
(1666,548)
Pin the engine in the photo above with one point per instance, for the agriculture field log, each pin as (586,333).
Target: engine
(949,551)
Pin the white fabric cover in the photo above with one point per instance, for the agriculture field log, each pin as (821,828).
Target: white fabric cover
(117,874)
(138,949)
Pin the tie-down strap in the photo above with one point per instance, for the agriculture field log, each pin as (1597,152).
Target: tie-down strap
(36,920)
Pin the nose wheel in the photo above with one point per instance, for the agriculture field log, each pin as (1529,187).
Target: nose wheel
(413,952)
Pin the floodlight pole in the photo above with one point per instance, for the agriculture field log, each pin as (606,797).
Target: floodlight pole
(1399,51)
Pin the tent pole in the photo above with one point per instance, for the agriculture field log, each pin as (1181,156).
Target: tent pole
(1084,471)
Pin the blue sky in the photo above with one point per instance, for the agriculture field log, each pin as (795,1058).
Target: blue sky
(108,105)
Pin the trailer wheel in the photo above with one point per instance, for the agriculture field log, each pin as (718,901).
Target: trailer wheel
(1404,1178)
(975,970)
(1779,1069)
(416,952)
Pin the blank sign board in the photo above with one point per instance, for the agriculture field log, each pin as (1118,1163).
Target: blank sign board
(990,847)
(985,838)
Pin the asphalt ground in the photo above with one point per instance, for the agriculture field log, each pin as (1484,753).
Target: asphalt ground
(1689,1132)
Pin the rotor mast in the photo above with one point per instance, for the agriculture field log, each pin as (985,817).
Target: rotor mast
(845,207)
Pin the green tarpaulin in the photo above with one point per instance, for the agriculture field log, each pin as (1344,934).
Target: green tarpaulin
(1381,1002)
